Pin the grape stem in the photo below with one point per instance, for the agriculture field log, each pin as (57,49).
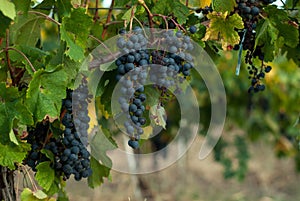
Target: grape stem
(150,15)
(99,41)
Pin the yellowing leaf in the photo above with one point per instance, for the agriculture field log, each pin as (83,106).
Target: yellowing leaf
(222,28)
(158,114)
(204,3)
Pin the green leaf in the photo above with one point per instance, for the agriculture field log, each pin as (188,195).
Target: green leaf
(222,27)
(175,7)
(40,194)
(13,138)
(23,5)
(11,154)
(4,24)
(74,35)
(152,95)
(100,144)
(45,175)
(127,14)
(28,195)
(26,31)
(63,7)
(8,9)
(99,172)
(11,108)
(74,51)
(45,93)
(158,114)
(274,32)
(223,6)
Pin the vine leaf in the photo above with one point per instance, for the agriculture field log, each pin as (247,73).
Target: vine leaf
(11,154)
(12,108)
(100,144)
(222,27)
(45,175)
(45,93)
(223,6)
(158,113)
(26,30)
(76,36)
(99,171)
(28,195)
(4,24)
(275,32)
(167,7)
(8,9)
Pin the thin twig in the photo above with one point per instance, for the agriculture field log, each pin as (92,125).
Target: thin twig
(113,22)
(142,27)
(3,173)
(99,41)
(187,3)
(108,18)
(131,18)
(164,18)
(30,179)
(46,16)
(25,57)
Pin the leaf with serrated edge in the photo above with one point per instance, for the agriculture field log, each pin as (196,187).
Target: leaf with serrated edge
(222,27)
(45,175)
(99,172)
(45,93)
(11,154)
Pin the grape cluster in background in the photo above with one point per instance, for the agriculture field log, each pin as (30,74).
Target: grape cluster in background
(166,67)
(250,11)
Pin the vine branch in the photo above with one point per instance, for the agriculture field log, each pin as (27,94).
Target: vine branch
(46,16)
(108,18)
(23,55)
(150,15)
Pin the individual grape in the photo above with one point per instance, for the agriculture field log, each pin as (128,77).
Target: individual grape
(268,69)
(255,10)
(133,144)
(193,29)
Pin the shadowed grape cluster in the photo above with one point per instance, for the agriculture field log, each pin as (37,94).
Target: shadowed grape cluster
(67,153)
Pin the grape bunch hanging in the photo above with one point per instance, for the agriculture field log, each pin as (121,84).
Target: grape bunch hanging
(68,148)
(166,67)
(250,11)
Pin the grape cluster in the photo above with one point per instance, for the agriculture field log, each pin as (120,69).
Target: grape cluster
(137,63)
(81,99)
(249,10)
(70,154)
(256,75)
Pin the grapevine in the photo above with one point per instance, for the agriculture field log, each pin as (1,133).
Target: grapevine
(146,52)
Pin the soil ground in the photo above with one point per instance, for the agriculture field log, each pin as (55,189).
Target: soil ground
(191,179)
